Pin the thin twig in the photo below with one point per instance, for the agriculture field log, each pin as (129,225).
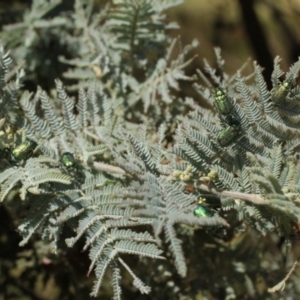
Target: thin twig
(253,198)
(281,285)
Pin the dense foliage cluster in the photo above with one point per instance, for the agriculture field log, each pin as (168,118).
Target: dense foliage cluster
(115,159)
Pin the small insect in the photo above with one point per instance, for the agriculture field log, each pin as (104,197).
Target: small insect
(228,135)
(212,201)
(203,211)
(279,93)
(73,168)
(24,150)
(201,200)
(68,160)
(222,102)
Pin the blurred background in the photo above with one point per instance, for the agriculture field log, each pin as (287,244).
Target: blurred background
(256,29)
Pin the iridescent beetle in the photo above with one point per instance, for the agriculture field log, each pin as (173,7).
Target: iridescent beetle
(228,135)
(202,210)
(279,93)
(68,160)
(73,168)
(24,150)
(222,102)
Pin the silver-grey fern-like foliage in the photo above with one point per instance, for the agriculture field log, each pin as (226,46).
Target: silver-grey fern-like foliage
(130,191)
(267,133)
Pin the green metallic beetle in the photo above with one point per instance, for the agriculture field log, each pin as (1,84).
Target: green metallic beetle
(73,168)
(24,150)
(68,160)
(203,211)
(222,102)
(279,93)
(228,135)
